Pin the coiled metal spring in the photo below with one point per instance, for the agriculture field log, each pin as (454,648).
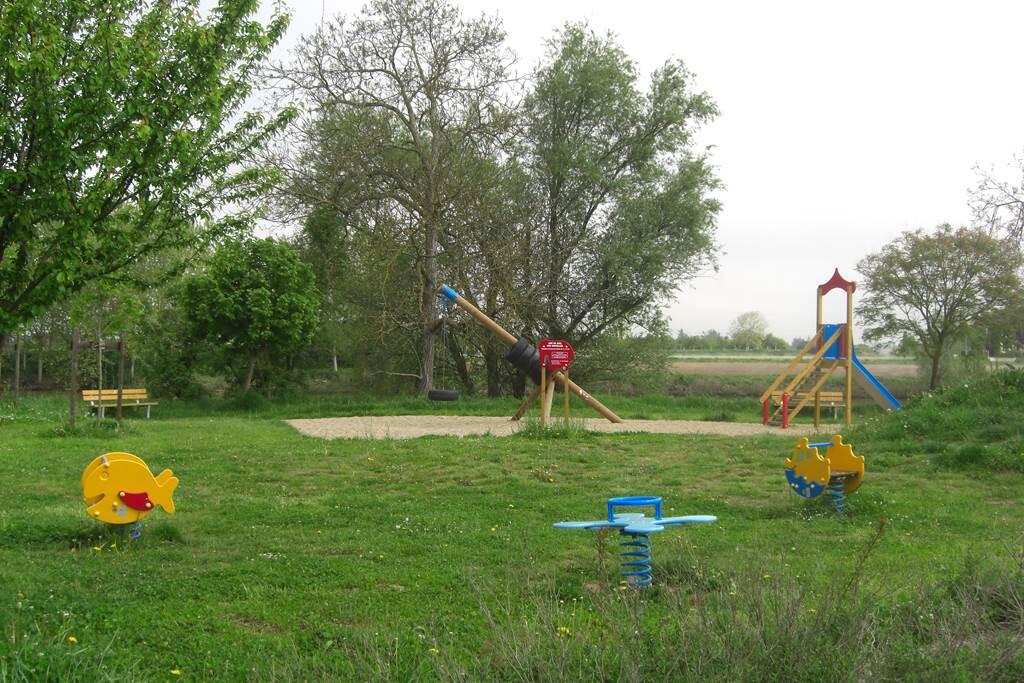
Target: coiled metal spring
(636,560)
(836,493)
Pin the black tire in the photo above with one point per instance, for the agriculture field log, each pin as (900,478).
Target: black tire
(443,395)
(517,351)
(525,357)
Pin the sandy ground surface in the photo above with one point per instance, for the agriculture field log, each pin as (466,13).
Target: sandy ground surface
(770,368)
(412,426)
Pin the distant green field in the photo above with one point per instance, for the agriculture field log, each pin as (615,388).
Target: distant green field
(292,558)
(734,357)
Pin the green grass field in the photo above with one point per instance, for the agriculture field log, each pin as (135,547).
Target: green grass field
(292,558)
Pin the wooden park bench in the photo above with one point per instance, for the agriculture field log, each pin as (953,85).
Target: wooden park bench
(829,399)
(101,399)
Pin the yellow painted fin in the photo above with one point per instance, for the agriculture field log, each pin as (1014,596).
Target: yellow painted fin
(166,483)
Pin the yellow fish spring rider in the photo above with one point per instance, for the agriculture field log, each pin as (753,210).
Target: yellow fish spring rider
(833,470)
(119,489)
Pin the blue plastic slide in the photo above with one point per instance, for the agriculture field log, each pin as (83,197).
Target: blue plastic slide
(875,389)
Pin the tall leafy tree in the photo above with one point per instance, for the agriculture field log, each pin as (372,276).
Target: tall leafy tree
(934,287)
(121,128)
(624,212)
(256,300)
(749,330)
(401,100)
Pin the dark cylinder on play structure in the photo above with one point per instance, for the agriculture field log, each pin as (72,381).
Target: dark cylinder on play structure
(525,357)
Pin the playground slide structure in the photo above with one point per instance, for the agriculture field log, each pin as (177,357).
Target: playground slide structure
(875,389)
(831,348)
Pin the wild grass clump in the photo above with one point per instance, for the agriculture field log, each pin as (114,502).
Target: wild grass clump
(965,426)
(556,428)
(755,626)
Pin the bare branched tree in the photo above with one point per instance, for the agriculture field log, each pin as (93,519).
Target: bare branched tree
(398,101)
(998,204)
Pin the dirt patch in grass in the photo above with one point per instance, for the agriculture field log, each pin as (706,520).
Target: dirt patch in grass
(412,426)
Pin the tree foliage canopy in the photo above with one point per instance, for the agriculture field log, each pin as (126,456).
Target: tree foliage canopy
(624,212)
(748,330)
(935,286)
(118,135)
(256,299)
(573,214)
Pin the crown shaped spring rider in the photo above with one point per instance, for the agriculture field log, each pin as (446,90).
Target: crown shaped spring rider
(834,470)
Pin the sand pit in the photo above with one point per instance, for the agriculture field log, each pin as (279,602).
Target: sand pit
(412,426)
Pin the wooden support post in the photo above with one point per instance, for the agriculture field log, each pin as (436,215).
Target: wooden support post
(120,375)
(565,390)
(549,398)
(17,366)
(785,410)
(99,369)
(849,356)
(543,395)
(73,391)
(817,409)
(525,405)
(592,402)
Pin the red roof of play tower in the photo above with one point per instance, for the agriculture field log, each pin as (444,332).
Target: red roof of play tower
(837,281)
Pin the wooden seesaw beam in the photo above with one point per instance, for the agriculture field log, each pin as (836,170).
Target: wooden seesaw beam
(505,336)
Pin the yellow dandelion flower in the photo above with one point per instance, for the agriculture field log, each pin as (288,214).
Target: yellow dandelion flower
(564,630)
(434,651)
(175,672)
(72,640)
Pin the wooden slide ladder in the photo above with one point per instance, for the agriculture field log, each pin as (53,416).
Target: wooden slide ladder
(804,386)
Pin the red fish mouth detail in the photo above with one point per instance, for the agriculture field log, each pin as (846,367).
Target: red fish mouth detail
(136,501)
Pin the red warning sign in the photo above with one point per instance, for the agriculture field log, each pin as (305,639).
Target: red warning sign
(555,354)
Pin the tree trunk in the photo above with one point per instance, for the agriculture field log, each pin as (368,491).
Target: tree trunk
(39,368)
(933,381)
(99,367)
(120,376)
(334,356)
(17,366)
(461,367)
(428,306)
(249,373)
(73,389)
(492,363)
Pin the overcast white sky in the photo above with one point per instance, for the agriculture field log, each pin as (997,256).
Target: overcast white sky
(842,125)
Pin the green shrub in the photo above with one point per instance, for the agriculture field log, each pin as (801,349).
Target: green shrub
(968,425)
